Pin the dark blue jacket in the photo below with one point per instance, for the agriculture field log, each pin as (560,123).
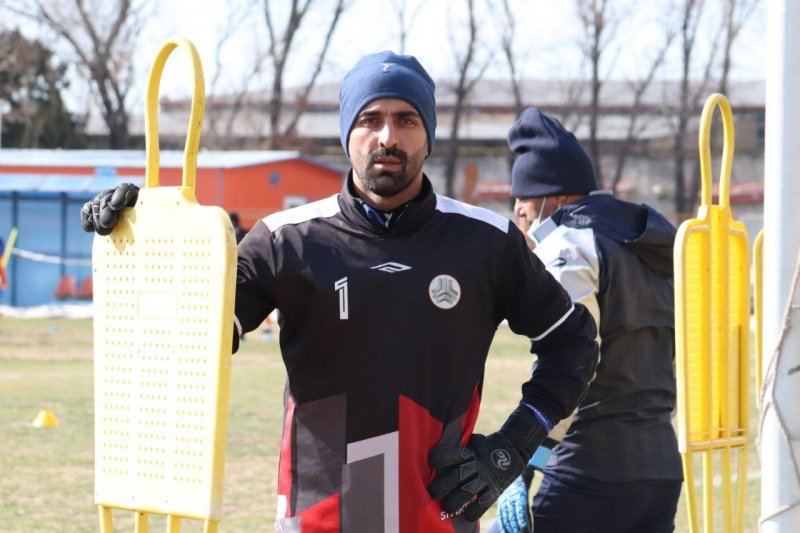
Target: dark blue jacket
(615,257)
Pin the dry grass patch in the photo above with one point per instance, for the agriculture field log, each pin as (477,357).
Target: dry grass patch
(48,474)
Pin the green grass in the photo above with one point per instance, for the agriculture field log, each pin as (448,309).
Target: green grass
(47,475)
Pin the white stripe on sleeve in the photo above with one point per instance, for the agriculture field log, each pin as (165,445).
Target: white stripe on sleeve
(554,326)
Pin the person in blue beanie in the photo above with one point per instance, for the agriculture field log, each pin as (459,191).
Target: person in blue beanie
(389,296)
(617,469)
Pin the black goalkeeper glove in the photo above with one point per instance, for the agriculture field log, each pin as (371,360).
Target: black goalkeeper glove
(469,480)
(101,213)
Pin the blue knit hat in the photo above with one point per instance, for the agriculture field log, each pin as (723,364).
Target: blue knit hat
(550,160)
(386,75)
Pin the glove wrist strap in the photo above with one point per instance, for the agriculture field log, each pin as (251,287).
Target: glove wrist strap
(524,431)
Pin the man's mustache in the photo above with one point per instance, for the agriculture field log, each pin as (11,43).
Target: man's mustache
(394,152)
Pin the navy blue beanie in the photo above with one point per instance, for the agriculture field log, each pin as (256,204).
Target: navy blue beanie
(386,75)
(550,160)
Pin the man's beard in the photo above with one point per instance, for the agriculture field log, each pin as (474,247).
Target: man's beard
(385,183)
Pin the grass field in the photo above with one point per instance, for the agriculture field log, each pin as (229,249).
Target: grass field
(47,477)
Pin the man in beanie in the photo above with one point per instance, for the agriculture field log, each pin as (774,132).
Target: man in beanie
(618,469)
(389,296)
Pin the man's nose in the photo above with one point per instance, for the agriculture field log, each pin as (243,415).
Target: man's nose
(387,136)
(518,210)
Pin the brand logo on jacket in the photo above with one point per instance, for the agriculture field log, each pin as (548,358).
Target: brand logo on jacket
(558,262)
(391,267)
(445,292)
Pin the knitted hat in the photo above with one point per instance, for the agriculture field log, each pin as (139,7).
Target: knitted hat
(386,75)
(550,160)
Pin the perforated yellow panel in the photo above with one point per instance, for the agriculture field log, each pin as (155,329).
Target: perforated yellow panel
(162,346)
(164,284)
(712,323)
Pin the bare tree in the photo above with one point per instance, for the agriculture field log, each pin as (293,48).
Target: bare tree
(405,20)
(599,23)
(279,46)
(736,13)
(573,115)
(102,34)
(691,93)
(691,13)
(508,35)
(466,64)
(639,88)
(223,110)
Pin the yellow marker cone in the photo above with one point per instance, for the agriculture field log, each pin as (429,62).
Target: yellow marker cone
(45,419)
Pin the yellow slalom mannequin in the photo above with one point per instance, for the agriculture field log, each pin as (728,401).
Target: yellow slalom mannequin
(712,329)
(164,291)
(758,310)
(12,238)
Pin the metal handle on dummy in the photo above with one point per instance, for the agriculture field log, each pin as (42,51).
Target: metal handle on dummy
(195,117)
(704,144)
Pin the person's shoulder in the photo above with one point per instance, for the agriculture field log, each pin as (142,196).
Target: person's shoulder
(565,246)
(450,206)
(566,237)
(325,208)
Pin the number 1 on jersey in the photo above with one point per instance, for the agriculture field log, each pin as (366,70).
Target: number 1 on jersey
(341,288)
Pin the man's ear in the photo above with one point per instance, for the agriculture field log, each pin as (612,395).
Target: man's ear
(561,199)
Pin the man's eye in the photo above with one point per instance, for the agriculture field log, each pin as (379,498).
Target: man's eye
(368,121)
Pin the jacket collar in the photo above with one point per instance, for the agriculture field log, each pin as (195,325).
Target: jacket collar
(408,217)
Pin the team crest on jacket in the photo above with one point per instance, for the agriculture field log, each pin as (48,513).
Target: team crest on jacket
(445,292)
